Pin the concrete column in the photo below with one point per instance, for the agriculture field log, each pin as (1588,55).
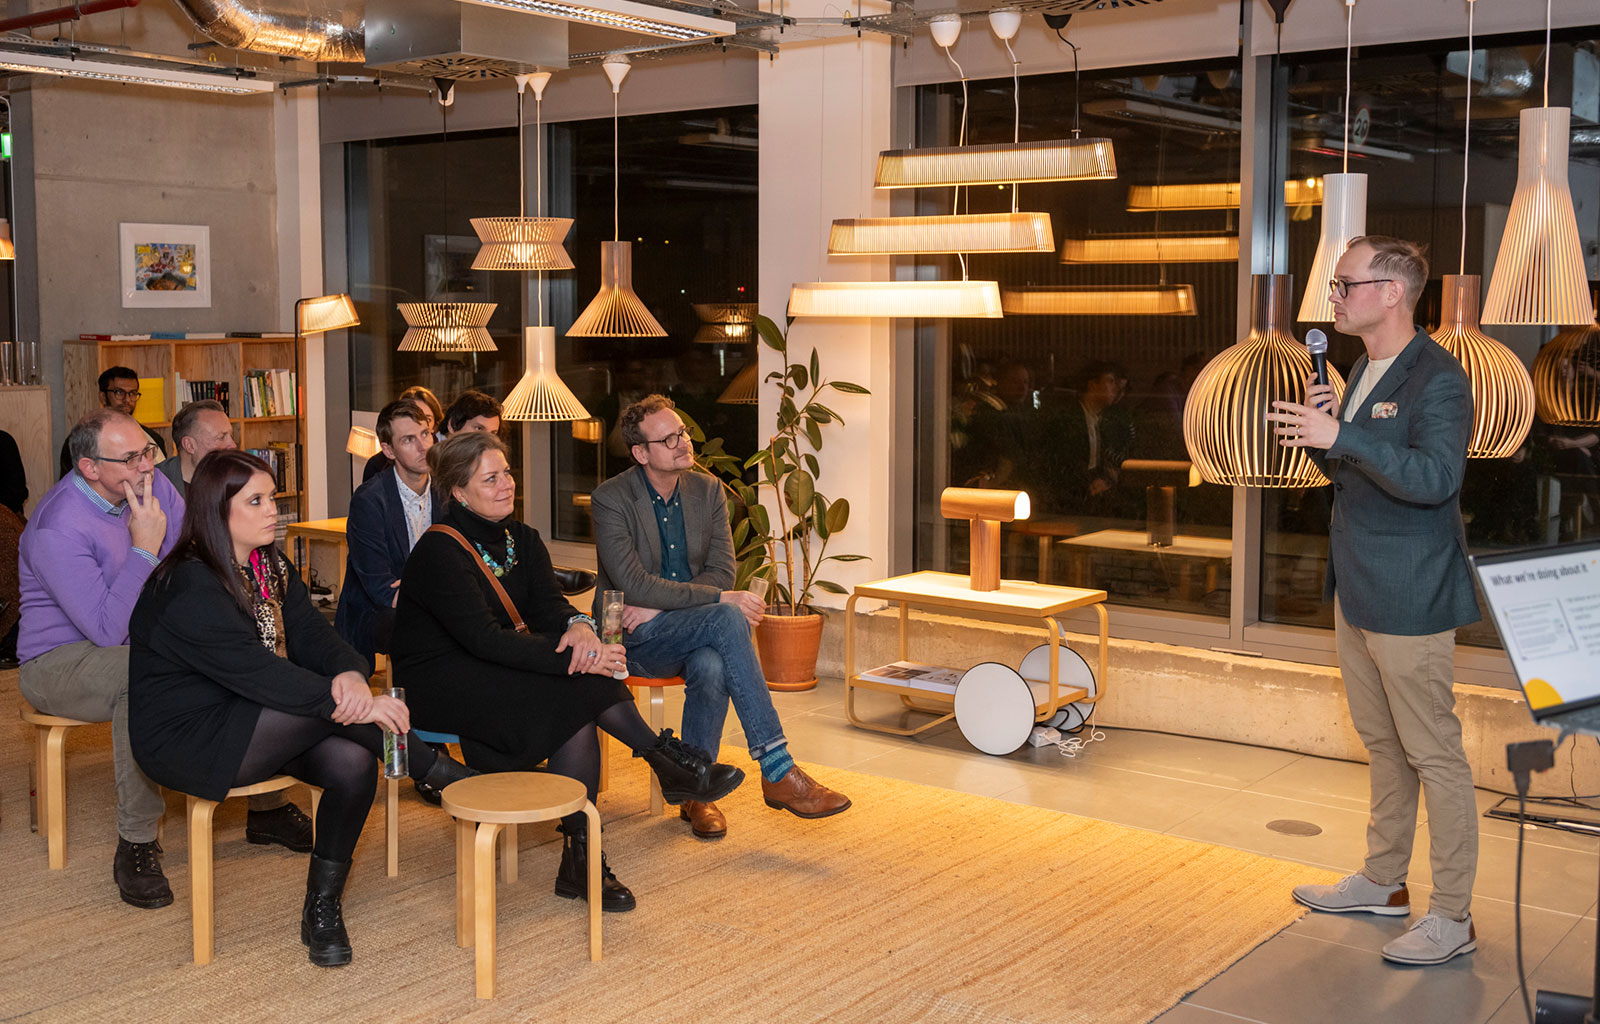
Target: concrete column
(825,115)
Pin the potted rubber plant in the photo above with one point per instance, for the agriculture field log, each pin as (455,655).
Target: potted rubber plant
(787,544)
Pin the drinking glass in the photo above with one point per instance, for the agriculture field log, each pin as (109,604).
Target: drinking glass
(759,586)
(396,760)
(611,622)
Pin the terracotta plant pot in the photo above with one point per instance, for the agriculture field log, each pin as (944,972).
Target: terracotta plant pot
(788,647)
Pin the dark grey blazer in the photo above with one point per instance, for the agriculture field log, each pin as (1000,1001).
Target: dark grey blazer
(627,542)
(1397,550)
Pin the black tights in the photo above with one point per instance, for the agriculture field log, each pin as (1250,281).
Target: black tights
(341,760)
(579,757)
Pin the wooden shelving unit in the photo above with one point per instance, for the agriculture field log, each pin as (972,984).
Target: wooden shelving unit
(219,359)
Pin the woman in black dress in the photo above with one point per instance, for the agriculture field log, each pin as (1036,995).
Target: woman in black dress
(233,677)
(519,697)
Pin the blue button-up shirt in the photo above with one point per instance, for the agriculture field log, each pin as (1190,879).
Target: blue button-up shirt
(674,538)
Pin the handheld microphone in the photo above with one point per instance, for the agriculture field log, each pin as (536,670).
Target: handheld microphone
(1317,345)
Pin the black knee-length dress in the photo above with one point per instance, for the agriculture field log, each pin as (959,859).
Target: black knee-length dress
(467,671)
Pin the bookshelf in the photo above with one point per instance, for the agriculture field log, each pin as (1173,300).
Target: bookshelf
(225,360)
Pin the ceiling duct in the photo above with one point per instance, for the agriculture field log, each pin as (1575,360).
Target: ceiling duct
(319,33)
(455,40)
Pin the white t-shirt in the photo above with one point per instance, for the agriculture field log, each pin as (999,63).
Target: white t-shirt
(1374,372)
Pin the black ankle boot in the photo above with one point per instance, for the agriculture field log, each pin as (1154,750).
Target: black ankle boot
(445,770)
(689,773)
(572,878)
(322,919)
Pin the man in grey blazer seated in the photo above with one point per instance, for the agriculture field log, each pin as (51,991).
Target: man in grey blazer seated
(662,538)
(1400,584)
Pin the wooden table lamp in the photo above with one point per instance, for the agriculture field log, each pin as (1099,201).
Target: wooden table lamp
(986,509)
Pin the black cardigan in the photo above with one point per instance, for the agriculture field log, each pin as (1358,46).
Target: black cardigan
(198,676)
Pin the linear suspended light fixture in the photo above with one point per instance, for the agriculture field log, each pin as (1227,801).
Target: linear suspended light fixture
(616,311)
(896,298)
(1151,249)
(1005,163)
(447,326)
(541,396)
(1539,275)
(233,81)
(523,242)
(948,233)
(1224,419)
(1100,300)
(1215,195)
(1502,393)
(1566,378)
(624,16)
(741,390)
(1344,210)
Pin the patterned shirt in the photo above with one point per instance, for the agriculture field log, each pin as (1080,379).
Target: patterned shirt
(417,507)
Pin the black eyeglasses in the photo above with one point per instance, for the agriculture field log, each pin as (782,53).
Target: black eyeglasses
(1343,287)
(147,452)
(121,393)
(672,441)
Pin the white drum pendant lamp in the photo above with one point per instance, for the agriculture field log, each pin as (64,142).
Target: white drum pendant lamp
(1344,216)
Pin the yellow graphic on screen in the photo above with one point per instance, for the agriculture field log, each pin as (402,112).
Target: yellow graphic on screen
(1541,694)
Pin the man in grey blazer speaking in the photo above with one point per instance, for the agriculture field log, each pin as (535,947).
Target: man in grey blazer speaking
(661,537)
(1400,584)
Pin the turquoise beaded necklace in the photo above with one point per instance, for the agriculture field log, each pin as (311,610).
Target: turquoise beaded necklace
(499,568)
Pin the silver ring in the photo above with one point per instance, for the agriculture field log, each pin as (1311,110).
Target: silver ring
(592,654)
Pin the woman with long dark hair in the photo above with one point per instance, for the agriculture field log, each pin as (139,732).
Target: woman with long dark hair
(234,677)
(491,650)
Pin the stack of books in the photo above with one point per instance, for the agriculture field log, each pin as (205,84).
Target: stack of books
(186,391)
(271,393)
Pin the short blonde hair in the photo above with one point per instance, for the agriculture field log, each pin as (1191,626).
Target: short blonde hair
(1405,262)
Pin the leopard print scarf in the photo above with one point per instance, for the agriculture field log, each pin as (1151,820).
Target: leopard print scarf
(266,581)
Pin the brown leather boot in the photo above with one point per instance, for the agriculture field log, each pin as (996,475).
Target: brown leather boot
(704,819)
(801,795)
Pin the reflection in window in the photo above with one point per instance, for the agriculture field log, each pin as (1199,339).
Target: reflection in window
(1085,412)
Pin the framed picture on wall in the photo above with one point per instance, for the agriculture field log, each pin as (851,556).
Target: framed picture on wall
(165,266)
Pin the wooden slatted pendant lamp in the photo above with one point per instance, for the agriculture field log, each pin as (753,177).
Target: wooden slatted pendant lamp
(1344,210)
(541,395)
(616,311)
(523,242)
(1566,378)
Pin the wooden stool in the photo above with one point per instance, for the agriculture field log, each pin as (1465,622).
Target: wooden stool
(200,862)
(658,704)
(391,813)
(483,806)
(50,783)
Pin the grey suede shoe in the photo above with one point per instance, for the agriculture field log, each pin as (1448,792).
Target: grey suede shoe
(1356,894)
(1433,940)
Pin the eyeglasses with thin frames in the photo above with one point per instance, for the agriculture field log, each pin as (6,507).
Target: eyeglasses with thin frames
(120,393)
(1343,287)
(147,452)
(671,441)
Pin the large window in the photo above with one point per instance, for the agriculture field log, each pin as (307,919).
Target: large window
(1084,412)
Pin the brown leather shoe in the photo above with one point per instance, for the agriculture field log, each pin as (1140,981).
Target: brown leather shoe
(801,795)
(704,820)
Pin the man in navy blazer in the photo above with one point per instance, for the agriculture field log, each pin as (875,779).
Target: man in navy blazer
(1400,584)
(387,515)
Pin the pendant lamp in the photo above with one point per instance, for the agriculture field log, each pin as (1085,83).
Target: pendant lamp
(1344,211)
(8,249)
(741,390)
(1004,163)
(1151,249)
(1566,378)
(896,298)
(447,326)
(1224,420)
(1215,195)
(541,396)
(950,233)
(1100,300)
(1502,393)
(725,323)
(616,312)
(523,242)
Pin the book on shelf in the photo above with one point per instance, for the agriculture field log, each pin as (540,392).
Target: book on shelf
(261,334)
(152,406)
(289,459)
(113,337)
(185,391)
(916,675)
(270,393)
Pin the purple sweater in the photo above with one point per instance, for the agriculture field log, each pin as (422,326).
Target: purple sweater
(80,572)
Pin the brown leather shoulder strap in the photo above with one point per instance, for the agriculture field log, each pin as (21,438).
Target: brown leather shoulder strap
(505,599)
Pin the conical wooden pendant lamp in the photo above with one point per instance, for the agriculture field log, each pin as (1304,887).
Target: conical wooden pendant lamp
(1225,418)
(1344,211)
(1502,392)
(541,395)
(616,312)
(523,242)
(1539,275)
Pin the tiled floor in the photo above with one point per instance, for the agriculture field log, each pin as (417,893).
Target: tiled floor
(1324,967)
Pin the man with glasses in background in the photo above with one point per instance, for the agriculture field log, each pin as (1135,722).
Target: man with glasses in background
(86,553)
(662,537)
(1400,585)
(119,390)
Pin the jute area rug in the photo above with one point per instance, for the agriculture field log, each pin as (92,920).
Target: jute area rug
(917,904)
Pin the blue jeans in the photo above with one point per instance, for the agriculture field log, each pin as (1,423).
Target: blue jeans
(709,645)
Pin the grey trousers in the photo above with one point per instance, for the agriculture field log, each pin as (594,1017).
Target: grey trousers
(90,683)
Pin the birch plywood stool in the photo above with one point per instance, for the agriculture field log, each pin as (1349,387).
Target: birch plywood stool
(201,893)
(483,806)
(50,782)
(658,703)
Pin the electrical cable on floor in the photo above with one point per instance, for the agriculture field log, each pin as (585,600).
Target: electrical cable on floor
(1075,743)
